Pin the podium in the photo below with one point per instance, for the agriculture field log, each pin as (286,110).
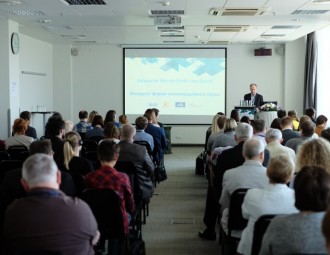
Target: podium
(246,111)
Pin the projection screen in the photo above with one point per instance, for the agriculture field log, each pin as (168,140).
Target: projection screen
(187,85)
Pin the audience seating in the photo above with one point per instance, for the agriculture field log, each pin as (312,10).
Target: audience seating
(88,145)
(236,222)
(79,182)
(93,156)
(4,155)
(7,165)
(15,151)
(260,228)
(105,206)
(129,168)
(96,138)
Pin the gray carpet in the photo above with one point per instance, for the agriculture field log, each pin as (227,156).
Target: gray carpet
(177,208)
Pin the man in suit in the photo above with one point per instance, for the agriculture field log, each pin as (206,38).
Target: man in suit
(228,159)
(137,154)
(254,97)
(287,130)
(307,131)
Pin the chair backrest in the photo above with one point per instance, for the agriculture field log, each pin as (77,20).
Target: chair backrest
(96,138)
(260,228)
(145,144)
(79,182)
(235,218)
(93,156)
(4,155)
(105,205)
(15,151)
(7,165)
(89,145)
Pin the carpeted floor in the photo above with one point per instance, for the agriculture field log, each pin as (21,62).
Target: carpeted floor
(177,208)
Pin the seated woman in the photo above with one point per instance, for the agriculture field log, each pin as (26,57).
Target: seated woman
(72,161)
(97,124)
(295,121)
(19,138)
(111,132)
(278,198)
(300,233)
(123,120)
(217,128)
(91,116)
(321,124)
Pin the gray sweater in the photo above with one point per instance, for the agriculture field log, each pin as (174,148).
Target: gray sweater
(293,234)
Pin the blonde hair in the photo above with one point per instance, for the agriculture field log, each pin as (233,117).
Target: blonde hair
(72,140)
(214,127)
(280,169)
(314,152)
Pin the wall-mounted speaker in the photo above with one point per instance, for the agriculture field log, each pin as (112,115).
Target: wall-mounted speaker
(74,52)
(262,52)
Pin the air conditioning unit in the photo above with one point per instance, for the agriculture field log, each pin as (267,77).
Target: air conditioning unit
(237,11)
(225,29)
(167,20)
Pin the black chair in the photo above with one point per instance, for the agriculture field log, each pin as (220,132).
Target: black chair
(82,135)
(7,165)
(260,228)
(129,168)
(4,155)
(15,151)
(24,155)
(96,138)
(105,205)
(236,222)
(147,145)
(93,156)
(79,182)
(88,145)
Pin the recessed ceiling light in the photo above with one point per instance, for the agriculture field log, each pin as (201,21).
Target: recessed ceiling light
(166,3)
(44,21)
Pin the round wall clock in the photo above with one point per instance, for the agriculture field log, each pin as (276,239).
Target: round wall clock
(14,43)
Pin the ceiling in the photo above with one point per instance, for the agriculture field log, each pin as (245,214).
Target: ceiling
(131,21)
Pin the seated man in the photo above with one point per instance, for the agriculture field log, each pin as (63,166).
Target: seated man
(140,124)
(307,131)
(252,174)
(138,155)
(46,219)
(159,138)
(82,126)
(107,177)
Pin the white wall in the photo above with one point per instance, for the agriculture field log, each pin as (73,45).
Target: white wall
(37,57)
(93,80)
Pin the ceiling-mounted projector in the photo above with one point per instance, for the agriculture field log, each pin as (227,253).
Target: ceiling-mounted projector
(167,20)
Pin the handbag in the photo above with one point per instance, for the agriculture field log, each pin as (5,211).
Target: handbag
(160,172)
(200,163)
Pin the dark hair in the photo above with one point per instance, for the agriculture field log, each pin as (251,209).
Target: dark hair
(292,114)
(307,128)
(234,114)
(258,126)
(25,115)
(110,116)
(326,134)
(54,126)
(123,119)
(312,189)
(56,115)
(276,123)
(107,150)
(221,121)
(220,113)
(83,114)
(97,120)
(310,112)
(321,119)
(147,115)
(156,111)
(110,130)
(281,113)
(141,122)
(42,146)
(245,119)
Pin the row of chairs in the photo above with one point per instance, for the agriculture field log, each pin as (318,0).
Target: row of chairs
(16,152)
(236,222)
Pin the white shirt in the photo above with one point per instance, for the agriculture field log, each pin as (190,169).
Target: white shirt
(275,149)
(19,140)
(275,199)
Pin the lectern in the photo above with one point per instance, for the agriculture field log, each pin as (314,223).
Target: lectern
(246,111)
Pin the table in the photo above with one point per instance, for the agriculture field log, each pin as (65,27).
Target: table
(268,117)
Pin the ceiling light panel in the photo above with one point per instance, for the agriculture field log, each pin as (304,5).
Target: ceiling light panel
(26,13)
(166,12)
(85,2)
(310,12)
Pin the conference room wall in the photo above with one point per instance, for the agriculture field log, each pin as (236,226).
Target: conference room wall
(93,79)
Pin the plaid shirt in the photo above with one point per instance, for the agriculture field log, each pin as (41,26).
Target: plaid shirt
(109,178)
(82,127)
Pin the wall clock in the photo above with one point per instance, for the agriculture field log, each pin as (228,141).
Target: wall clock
(14,43)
